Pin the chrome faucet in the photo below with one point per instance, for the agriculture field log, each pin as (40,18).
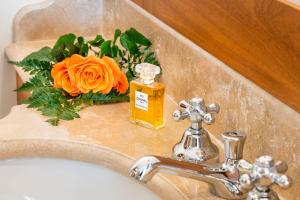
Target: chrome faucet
(195,145)
(223,177)
(195,157)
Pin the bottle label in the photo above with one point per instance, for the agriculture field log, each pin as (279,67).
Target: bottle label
(141,100)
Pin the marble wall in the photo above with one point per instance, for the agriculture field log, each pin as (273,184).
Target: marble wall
(272,127)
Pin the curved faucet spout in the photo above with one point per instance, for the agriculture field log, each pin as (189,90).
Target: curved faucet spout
(224,181)
(147,166)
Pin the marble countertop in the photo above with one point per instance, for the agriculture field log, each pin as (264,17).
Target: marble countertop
(103,135)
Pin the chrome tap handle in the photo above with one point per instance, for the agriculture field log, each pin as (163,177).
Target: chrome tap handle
(180,115)
(261,175)
(183,104)
(213,108)
(196,111)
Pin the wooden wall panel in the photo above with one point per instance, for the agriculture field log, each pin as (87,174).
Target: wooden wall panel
(258,38)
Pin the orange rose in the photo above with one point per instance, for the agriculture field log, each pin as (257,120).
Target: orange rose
(120,82)
(61,77)
(91,74)
(122,85)
(79,74)
(115,69)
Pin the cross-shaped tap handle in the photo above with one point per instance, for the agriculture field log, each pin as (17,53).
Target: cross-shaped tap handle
(262,175)
(196,111)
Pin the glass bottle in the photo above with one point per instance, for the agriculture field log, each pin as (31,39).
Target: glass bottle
(147,97)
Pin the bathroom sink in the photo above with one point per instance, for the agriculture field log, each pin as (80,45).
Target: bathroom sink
(57,179)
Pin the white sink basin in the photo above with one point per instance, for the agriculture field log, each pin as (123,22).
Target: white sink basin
(56,179)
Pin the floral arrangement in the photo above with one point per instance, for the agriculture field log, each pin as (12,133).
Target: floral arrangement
(77,72)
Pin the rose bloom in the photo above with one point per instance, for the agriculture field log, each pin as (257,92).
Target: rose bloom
(78,74)
(122,84)
(120,81)
(62,79)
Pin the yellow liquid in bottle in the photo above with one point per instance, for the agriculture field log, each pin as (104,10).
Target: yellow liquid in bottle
(146,104)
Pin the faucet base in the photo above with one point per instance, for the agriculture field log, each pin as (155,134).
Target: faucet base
(196,146)
(257,194)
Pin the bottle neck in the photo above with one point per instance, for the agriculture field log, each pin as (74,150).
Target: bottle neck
(147,81)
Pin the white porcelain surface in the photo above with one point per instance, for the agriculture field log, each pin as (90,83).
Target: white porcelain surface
(57,179)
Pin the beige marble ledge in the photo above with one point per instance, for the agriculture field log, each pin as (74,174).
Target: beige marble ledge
(103,135)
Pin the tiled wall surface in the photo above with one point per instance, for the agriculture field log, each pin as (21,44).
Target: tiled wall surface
(271,127)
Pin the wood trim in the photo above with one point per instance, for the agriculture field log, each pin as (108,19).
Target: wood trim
(260,39)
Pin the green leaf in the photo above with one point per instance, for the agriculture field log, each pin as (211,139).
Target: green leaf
(44,54)
(137,37)
(114,51)
(40,81)
(53,121)
(65,39)
(128,44)
(105,48)
(80,40)
(68,114)
(82,46)
(112,97)
(117,34)
(150,58)
(97,41)
(26,87)
(130,75)
(35,103)
(121,53)
(64,47)
(98,98)
(35,66)
(51,112)
(84,50)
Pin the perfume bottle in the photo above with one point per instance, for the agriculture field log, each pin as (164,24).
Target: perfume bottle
(147,97)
